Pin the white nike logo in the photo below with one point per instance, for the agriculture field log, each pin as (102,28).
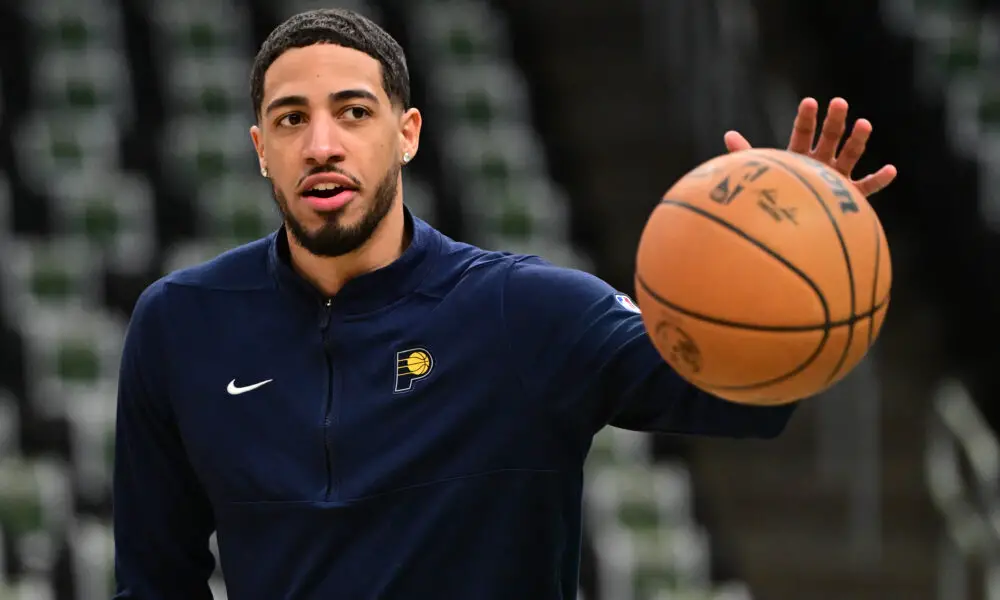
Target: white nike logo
(236,391)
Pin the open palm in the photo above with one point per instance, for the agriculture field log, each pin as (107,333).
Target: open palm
(825,150)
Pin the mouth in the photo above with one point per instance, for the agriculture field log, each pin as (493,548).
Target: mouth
(327,197)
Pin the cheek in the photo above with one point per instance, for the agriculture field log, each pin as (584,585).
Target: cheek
(283,155)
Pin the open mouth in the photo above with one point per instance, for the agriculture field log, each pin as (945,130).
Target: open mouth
(326,190)
(327,197)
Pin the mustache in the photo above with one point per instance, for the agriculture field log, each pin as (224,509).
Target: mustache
(330,169)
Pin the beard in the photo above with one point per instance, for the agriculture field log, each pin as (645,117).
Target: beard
(333,239)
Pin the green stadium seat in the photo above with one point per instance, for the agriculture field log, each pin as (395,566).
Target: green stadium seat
(36,587)
(91,417)
(495,157)
(490,142)
(72,354)
(521,208)
(201,150)
(111,212)
(732,590)
(235,210)
(463,32)
(48,277)
(210,88)
(199,29)
(961,51)
(74,26)
(92,544)
(57,142)
(641,497)
(526,215)
(964,56)
(418,197)
(989,107)
(650,564)
(35,509)
(490,95)
(80,84)
(613,446)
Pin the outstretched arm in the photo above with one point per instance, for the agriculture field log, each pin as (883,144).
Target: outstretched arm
(583,350)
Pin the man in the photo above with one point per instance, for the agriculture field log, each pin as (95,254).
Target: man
(361,407)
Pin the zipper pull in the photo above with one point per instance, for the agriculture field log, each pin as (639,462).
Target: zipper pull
(324,320)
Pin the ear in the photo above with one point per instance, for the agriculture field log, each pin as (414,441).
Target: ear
(410,123)
(258,144)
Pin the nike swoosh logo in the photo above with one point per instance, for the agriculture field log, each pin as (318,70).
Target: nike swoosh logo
(236,391)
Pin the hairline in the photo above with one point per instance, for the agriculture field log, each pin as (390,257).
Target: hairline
(394,103)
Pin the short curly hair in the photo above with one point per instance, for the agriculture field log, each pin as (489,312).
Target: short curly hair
(334,26)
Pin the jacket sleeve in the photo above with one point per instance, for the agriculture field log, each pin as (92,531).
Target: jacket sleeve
(162,517)
(581,348)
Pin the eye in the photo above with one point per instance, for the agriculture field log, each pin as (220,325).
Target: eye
(357,113)
(291,120)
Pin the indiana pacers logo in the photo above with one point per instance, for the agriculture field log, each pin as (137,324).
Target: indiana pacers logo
(412,365)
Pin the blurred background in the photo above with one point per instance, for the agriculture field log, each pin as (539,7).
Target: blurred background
(551,127)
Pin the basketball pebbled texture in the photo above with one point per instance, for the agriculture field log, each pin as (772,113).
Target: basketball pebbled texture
(763,276)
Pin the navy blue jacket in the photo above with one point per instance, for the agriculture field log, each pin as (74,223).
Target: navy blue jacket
(421,435)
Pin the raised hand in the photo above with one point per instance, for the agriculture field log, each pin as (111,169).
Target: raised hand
(825,150)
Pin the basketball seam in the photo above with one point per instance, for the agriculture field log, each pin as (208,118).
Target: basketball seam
(761,246)
(878,256)
(753,327)
(780,378)
(825,328)
(847,260)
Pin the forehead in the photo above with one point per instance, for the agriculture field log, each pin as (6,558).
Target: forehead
(322,69)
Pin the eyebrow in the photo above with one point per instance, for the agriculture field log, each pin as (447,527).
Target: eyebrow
(335,97)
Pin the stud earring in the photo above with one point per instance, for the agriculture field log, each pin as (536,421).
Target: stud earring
(263,171)
(406,157)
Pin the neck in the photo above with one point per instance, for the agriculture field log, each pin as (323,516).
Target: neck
(330,274)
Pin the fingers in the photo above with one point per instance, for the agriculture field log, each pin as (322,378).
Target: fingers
(736,142)
(825,151)
(804,128)
(834,127)
(877,181)
(854,147)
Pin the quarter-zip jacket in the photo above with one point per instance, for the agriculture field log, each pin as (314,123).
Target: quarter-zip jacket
(421,435)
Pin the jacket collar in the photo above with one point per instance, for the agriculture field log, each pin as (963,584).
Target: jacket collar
(373,290)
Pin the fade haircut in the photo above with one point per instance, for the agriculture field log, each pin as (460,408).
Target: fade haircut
(340,27)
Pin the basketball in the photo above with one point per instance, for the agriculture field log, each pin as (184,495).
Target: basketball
(763,276)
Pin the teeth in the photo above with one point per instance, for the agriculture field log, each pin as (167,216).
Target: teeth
(325,186)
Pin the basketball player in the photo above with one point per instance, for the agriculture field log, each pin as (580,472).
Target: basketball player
(362,408)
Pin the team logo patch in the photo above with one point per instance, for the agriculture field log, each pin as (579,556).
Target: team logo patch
(627,303)
(412,365)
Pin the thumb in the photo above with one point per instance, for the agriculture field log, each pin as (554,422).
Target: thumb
(736,142)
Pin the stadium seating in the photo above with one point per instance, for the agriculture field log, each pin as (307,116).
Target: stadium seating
(143,116)
(959,45)
(960,49)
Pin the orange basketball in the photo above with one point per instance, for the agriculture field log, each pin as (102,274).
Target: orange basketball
(763,276)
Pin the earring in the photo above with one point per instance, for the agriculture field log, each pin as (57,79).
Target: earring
(263,171)
(406,157)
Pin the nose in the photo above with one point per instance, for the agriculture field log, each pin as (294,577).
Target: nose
(323,143)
